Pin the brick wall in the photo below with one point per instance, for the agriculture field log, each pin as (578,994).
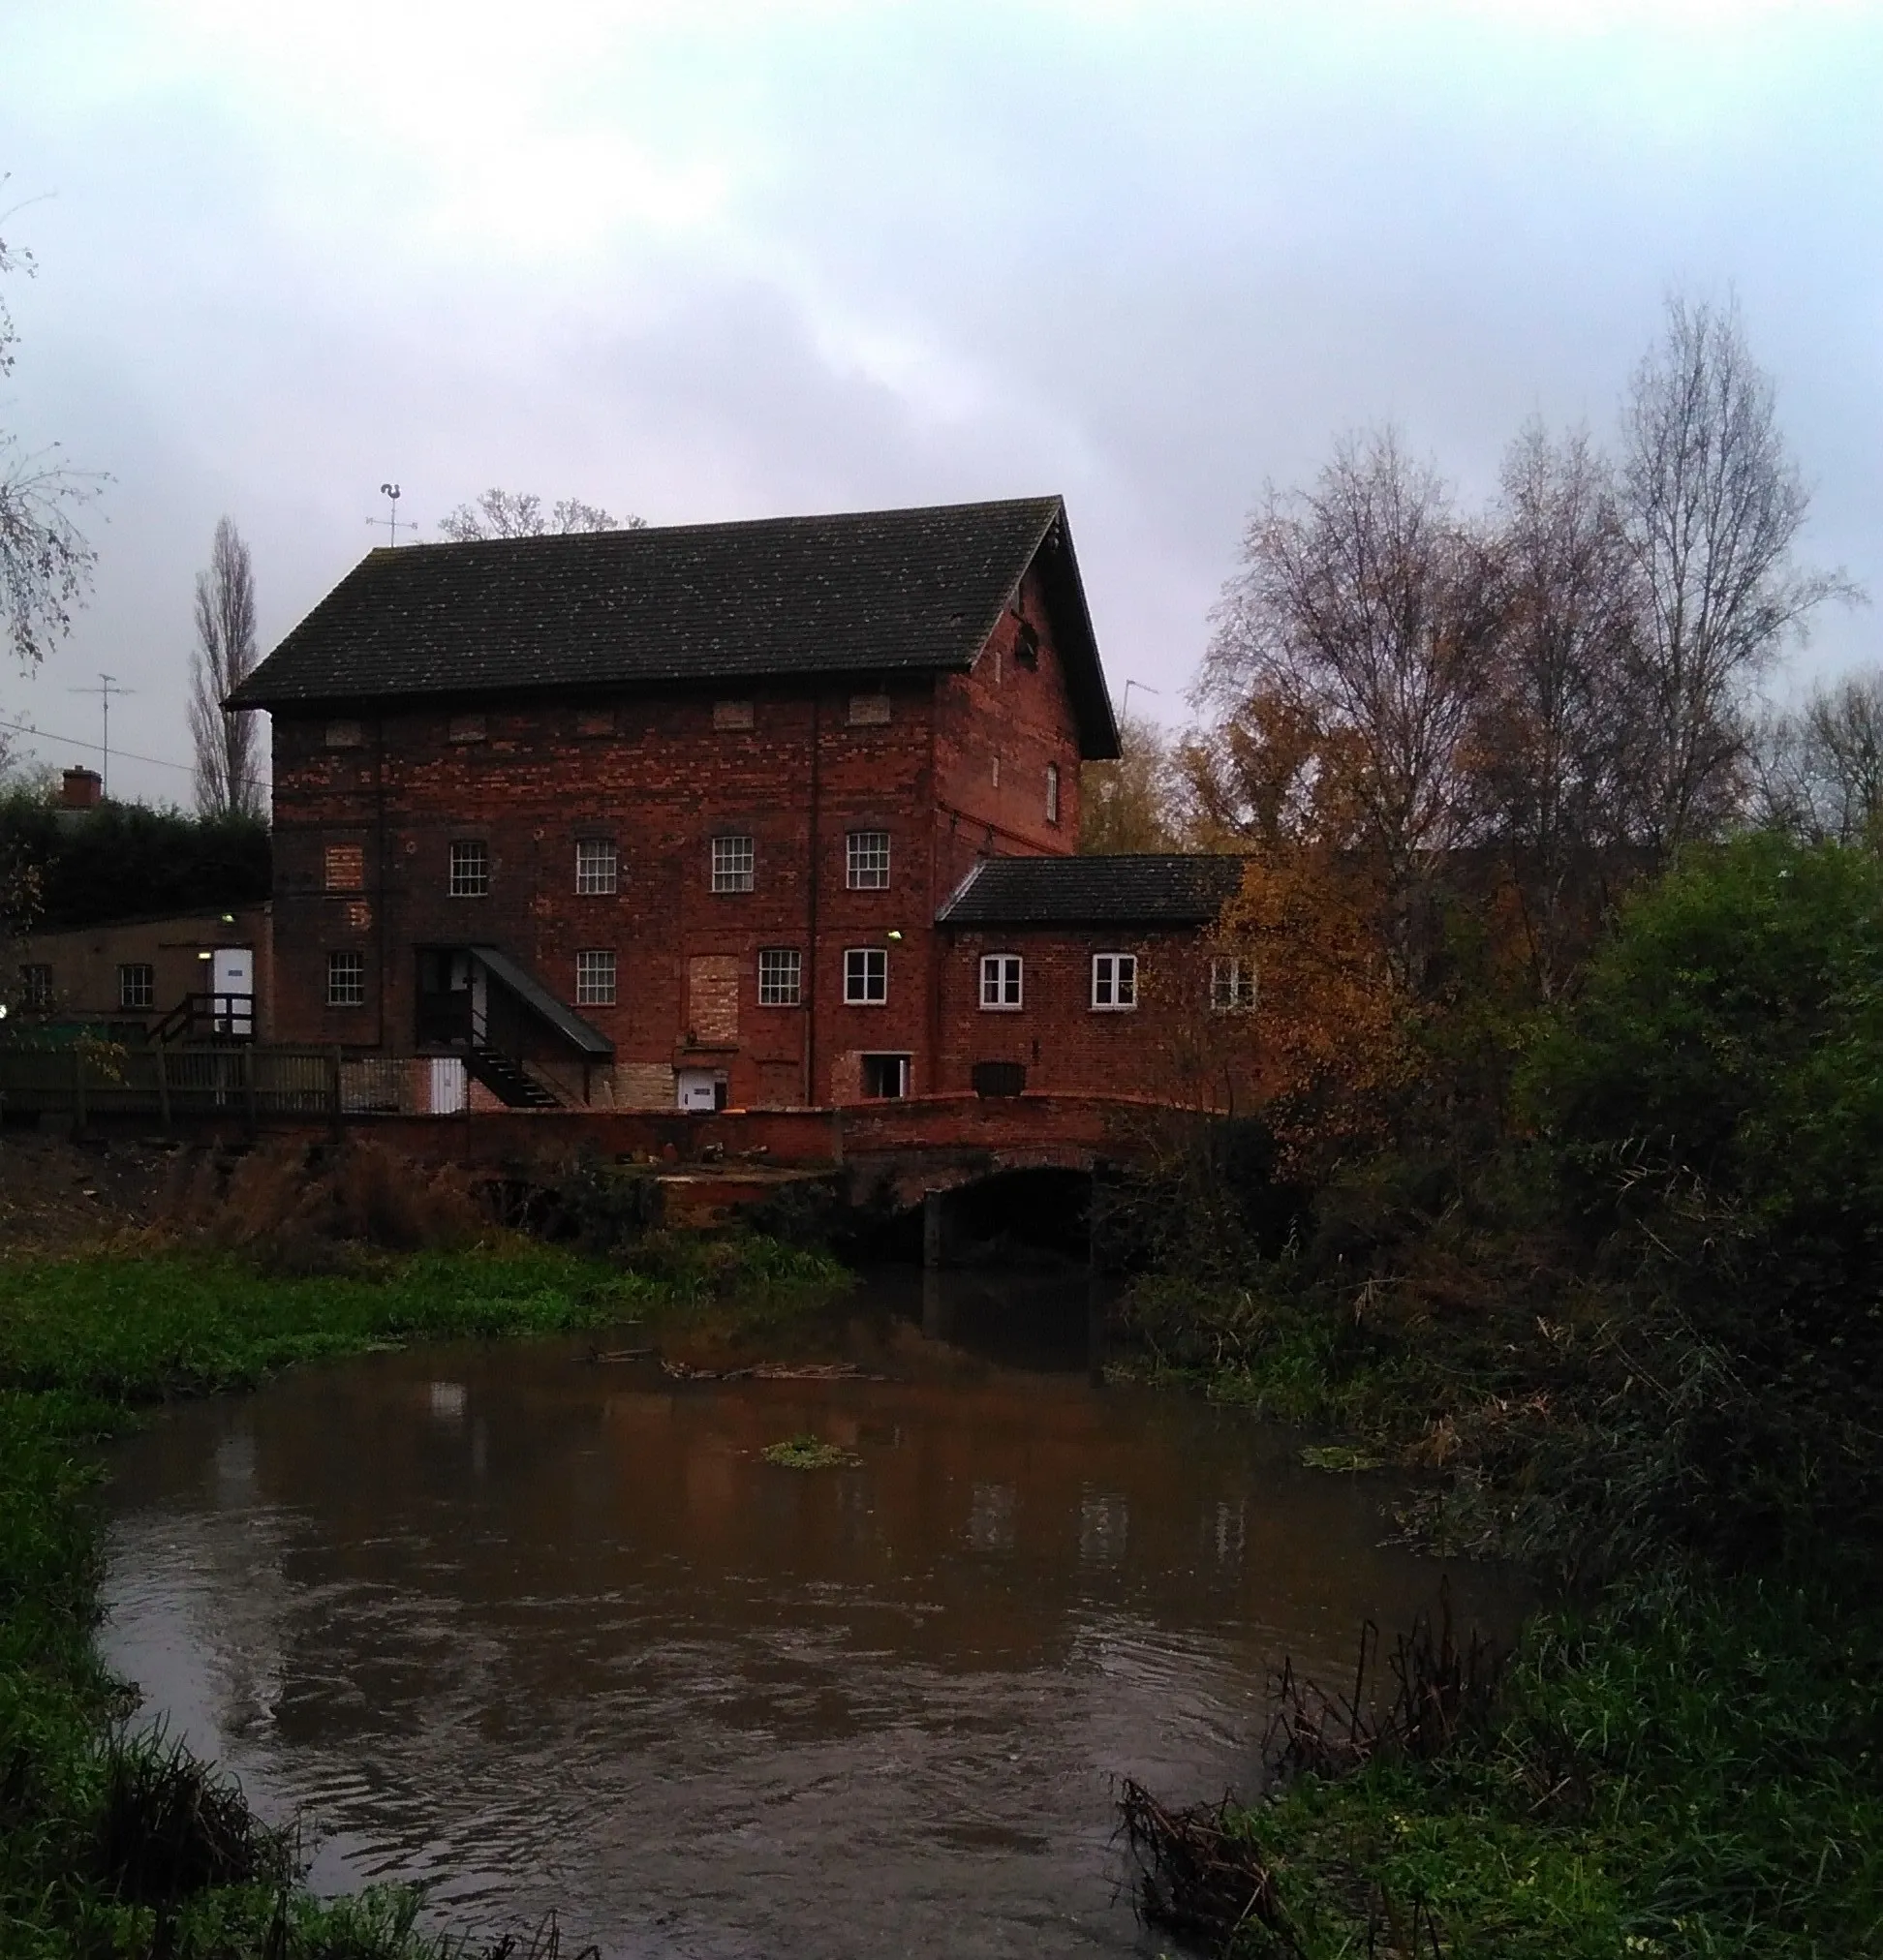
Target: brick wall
(1172,1046)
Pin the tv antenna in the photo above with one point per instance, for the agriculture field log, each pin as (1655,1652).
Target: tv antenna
(390,520)
(1125,705)
(107,687)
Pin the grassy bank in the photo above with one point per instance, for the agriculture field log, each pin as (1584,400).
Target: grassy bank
(103,1848)
(1623,1321)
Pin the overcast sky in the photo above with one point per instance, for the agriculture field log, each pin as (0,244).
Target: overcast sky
(702,262)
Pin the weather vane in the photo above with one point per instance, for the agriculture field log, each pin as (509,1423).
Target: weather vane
(390,520)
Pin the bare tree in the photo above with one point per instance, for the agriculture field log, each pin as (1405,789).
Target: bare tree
(1820,771)
(1368,611)
(45,564)
(1713,504)
(228,755)
(1556,760)
(511,514)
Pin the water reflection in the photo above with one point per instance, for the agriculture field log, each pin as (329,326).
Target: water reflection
(547,1631)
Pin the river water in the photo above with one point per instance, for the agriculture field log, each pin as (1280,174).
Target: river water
(540,1631)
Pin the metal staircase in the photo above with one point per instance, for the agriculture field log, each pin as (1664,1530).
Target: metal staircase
(510,1079)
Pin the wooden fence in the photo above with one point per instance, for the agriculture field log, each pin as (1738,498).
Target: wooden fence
(242,1082)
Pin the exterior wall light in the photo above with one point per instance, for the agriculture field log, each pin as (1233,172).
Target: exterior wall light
(892,936)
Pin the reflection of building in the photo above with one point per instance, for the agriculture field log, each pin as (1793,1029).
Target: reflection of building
(700,815)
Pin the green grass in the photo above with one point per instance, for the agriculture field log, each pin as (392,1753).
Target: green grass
(1692,1772)
(86,1345)
(808,1453)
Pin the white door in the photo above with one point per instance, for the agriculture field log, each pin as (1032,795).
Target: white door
(231,984)
(696,1087)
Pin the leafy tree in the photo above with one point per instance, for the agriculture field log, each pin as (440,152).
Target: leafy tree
(511,514)
(1131,804)
(228,753)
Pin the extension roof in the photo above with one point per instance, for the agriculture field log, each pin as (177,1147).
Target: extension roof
(1136,890)
(867,592)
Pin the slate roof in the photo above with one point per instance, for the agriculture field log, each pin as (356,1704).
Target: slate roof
(1136,890)
(865,593)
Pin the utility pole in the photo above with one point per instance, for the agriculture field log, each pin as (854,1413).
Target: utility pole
(107,687)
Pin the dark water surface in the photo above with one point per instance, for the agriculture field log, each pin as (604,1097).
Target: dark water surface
(545,1633)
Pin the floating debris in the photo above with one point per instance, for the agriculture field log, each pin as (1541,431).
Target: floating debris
(808,1452)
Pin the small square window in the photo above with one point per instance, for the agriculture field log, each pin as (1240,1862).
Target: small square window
(346,980)
(594,722)
(467,728)
(869,711)
(346,735)
(136,986)
(732,863)
(866,976)
(595,979)
(781,976)
(36,986)
(733,714)
(1113,981)
(597,868)
(470,869)
(999,980)
(1051,793)
(344,867)
(886,1076)
(865,860)
(1233,985)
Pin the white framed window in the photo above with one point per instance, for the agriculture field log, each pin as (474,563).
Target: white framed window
(1000,977)
(597,868)
(866,976)
(1114,982)
(781,976)
(1051,793)
(1233,985)
(733,863)
(470,869)
(865,860)
(346,980)
(136,985)
(595,977)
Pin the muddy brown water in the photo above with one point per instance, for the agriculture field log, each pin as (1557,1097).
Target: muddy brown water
(540,1633)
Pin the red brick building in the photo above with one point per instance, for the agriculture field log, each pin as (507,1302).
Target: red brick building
(695,813)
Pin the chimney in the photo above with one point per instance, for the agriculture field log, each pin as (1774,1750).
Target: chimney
(81,790)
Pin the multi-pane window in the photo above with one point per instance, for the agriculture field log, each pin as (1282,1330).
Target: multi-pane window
(595,978)
(36,986)
(999,980)
(1051,793)
(781,976)
(470,868)
(866,864)
(597,868)
(136,986)
(866,976)
(346,980)
(1113,981)
(732,861)
(1233,985)
(344,867)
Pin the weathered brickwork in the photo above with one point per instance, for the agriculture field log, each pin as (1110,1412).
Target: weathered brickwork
(1170,1046)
